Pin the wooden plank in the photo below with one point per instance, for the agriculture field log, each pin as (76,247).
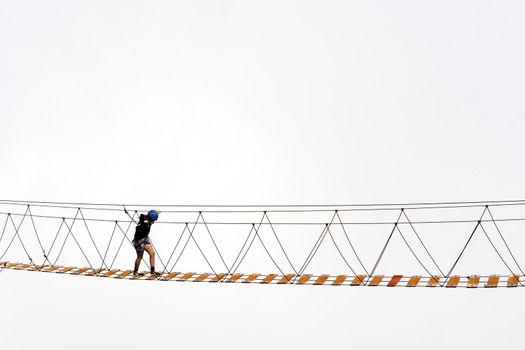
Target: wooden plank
(251,278)
(24,266)
(394,280)
(65,269)
(218,277)
(93,272)
(321,279)
(303,279)
(269,278)
(433,281)
(339,280)
(376,280)
(80,270)
(453,281)
(358,280)
(186,276)
(413,281)
(37,267)
(202,277)
(52,268)
(473,281)
(110,272)
(513,281)
(171,275)
(11,265)
(286,279)
(493,281)
(124,274)
(234,278)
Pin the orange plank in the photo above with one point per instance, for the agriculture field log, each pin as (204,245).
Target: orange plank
(394,280)
(286,279)
(24,266)
(433,281)
(303,279)
(321,279)
(80,270)
(376,280)
(124,274)
(234,278)
(513,281)
(186,276)
(269,278)
(11,265)
(473,281)
(492,281)
(251,278)
(202,277)
(358,280)
(65,269)
(413,281)
(52,268)
(171,275)
(453,281)
(37,267)
(218,277)
(339,280)
(111,272)
(93,272)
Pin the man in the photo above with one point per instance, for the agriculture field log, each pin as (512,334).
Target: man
(142,243)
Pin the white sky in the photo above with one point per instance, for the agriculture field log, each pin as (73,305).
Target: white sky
(258,102)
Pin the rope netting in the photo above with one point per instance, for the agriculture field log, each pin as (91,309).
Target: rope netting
(444,244)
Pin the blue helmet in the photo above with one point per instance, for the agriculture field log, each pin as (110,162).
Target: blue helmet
(153,215)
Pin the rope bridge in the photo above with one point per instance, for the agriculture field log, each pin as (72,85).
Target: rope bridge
(96,240)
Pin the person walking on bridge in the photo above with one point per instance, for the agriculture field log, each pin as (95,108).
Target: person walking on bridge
(142,243)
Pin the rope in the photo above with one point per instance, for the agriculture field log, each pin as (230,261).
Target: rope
(12,239)
(242,248)
(5,225)
(37,236)
(215,244)
(384,247)
(78,244)
(297,223)
(124,236)
(400,205)
(504,241)
(497,252)
(20,239)
(54,240)
(340,253)
(349,242)
(466,244)
(315,248)
(249,246)
(185,244)
(279,241)
(109,244)
(176,245)
(67,235)
(91,237)
(413,253)
(423,244)
(198,247)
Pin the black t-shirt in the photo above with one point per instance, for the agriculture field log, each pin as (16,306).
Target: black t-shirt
(142,229)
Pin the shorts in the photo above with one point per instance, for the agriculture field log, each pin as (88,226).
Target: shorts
(141,244)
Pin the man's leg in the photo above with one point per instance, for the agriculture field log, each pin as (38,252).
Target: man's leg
(151,252)
(138,260)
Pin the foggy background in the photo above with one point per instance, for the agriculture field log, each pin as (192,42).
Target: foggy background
(276,102)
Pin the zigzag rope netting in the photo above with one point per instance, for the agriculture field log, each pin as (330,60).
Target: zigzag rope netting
(447,244)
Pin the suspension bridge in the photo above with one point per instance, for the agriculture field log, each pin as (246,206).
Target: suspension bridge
(287,243)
